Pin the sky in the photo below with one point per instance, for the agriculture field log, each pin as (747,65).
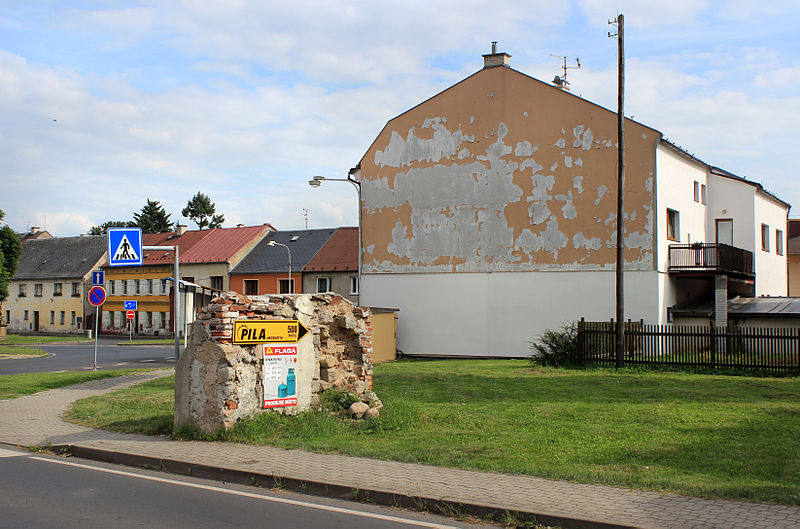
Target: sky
(106,104)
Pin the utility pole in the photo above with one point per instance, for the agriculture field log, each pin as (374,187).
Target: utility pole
(619,344)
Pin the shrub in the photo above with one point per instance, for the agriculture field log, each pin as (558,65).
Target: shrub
(334,399)
(556,348)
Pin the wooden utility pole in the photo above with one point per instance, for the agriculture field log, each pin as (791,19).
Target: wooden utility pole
(619,348)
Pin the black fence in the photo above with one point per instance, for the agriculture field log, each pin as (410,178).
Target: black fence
(768,349)
(710,257)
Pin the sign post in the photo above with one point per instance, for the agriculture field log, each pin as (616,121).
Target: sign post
(130,315)
(97,296)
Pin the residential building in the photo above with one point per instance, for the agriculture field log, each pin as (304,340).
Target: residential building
(206,258)
(35,232)
(334,268)
(489,215)
(793,250)
(265,270)
(48,292)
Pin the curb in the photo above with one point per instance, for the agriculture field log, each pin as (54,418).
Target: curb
(320,488)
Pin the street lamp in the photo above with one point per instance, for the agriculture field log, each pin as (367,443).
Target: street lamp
(316,182)
(273,243)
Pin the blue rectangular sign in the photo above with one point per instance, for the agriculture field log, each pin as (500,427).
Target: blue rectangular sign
(125,246)
(129,305)
(98,278)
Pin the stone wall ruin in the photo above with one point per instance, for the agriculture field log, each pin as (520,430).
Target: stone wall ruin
(218,382)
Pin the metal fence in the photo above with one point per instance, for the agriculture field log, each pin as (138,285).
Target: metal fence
(768,349)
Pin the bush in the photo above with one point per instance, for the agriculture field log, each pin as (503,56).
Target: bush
(334,399)
(556,348)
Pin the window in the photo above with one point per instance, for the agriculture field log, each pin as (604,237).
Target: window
(673,225)
(137,286)
(23,291)
(61,318)
(696,191)
(354,285)
(76,289)
(111,290)
(124,286)
(149,287)
(725,231)
(216,282)
(703,194)
(163,320)
(251,287)
(37,290)
(163,287)
(52,317)
(284,287)
(188,279)
(149,319)
(779,242)
(323,284)
(58,289)
(8,316)
(25,315)
(72,318)
(765,237)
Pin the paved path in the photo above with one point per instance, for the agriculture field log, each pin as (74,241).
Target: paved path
(34,420)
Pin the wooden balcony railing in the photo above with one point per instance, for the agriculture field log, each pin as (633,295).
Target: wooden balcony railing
(710,257)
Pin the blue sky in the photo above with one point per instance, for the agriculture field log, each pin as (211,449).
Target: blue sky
(106,104)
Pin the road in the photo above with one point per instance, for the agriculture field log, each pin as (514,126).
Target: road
(45,491)
(79,357)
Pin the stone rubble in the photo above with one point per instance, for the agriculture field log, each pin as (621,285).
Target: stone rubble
(218,382)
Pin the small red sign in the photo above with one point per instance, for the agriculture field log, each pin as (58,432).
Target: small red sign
(130,314)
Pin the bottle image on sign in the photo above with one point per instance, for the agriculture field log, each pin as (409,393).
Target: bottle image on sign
(291,382)
(282,391)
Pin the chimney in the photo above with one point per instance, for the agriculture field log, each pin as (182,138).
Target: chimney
(35,229)
(180,230)
(490,60)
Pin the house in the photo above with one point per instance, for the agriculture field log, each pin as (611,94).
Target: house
(35,232)
(489,215)
(266,269)
(206,258)
(48,292)
(793,249)
(334,268)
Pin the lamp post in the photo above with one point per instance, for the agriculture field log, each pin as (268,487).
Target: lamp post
(316,182)
(273,243)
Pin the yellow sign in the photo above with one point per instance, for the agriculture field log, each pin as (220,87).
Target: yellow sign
(262,331)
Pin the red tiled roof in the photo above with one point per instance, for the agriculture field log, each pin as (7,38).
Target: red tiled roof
(185,242)
(221,244)
(340,253)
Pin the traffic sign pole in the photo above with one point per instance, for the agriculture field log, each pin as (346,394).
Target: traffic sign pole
(96,332)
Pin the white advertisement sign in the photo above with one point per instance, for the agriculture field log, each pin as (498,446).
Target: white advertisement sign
(280,375)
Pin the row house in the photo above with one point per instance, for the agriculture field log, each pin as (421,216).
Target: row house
(492,206)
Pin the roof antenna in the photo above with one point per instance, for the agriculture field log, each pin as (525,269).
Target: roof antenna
(305,215)
(562,82)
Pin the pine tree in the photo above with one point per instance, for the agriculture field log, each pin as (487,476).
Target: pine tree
(201,211)
(152,218)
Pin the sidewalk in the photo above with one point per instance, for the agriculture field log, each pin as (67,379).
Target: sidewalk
(34,420)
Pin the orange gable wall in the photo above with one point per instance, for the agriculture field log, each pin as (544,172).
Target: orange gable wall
(267,283)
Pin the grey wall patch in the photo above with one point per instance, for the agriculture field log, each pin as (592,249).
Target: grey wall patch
(568,161)
(523,148)
(551,240)
(561,143)
(580,241)
(539,197)
(401,152)
(577,183)
(583,138)
(601,191)
(568,209)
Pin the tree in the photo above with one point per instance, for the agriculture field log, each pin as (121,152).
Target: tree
(201,211)
(153,218)
(10,250)
(103,228)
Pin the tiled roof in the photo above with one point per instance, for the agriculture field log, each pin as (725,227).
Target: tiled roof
(185,243)
(266,259)
(340,253)
(60,257)
(221,244)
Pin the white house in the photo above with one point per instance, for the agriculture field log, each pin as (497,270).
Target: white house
(489,215)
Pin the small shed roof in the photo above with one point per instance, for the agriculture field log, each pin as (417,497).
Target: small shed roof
(739,307)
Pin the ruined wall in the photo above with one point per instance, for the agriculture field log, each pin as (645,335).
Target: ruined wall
(218,382)
(504,173)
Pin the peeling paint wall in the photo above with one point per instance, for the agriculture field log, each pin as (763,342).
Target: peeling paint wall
(504,173)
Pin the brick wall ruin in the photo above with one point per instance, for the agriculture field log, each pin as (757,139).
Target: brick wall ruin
(218,382)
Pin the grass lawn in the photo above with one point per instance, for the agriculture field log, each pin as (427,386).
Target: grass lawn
(21,339)
(12,386)
(704,435)
(19,350)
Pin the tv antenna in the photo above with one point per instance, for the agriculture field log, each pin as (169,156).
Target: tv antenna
(305,215)
(562,82)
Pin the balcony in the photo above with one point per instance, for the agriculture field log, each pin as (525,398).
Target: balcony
(710,259)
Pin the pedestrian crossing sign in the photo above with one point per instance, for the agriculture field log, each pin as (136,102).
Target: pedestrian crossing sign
(125,246)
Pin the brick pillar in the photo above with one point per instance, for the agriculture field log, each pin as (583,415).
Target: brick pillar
(721,301)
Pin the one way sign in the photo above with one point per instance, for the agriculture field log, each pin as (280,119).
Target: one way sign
(124,246)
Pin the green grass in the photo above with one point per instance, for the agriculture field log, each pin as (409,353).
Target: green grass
(704,435)
(12,386)
(21,339)
(17,350)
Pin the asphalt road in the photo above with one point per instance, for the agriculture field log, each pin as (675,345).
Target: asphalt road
(45,491)
(80,356)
